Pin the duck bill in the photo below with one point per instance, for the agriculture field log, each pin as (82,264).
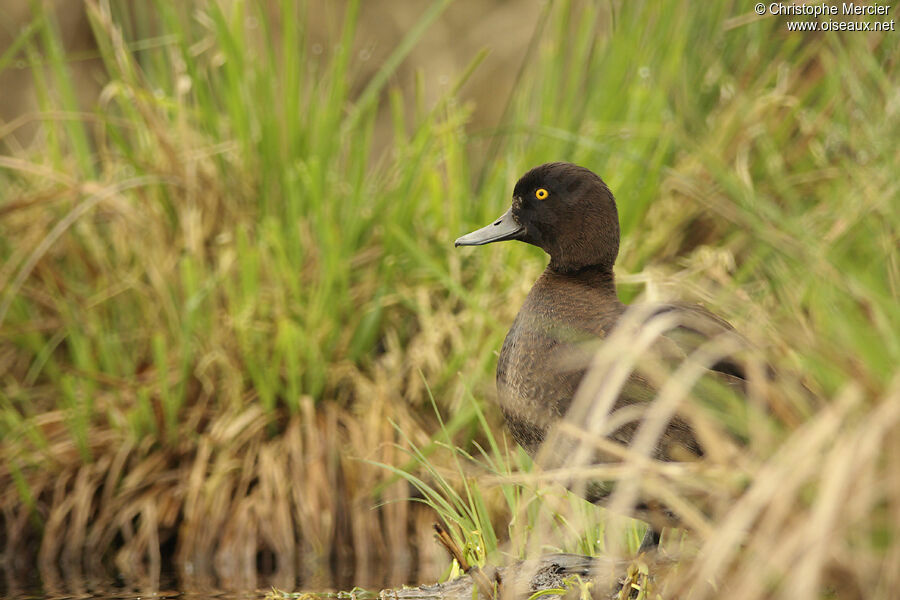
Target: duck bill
(504,228)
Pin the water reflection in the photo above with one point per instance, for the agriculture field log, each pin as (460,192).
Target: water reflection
(198,580)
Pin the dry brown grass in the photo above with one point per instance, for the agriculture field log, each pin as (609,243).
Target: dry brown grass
(806,505)
(239,506)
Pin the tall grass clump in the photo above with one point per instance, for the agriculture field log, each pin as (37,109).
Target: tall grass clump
(220,290)
(207,275)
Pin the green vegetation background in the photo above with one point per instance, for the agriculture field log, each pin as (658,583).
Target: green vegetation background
(223,230)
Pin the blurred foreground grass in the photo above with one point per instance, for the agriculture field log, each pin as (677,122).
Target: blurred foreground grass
(219,291)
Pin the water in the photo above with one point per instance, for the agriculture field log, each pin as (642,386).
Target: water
(30,585)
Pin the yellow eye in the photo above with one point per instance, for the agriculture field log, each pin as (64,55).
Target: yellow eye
(541,194)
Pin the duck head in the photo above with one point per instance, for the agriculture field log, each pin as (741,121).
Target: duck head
(566,210)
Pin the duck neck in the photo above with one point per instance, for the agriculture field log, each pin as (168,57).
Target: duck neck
(599,277)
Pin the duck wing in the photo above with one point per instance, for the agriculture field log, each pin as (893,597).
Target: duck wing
(698,326)
(667,339)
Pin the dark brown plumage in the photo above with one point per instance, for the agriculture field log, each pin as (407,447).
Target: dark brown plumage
(570,212)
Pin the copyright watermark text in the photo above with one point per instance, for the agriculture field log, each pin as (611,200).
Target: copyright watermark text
(828,17)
